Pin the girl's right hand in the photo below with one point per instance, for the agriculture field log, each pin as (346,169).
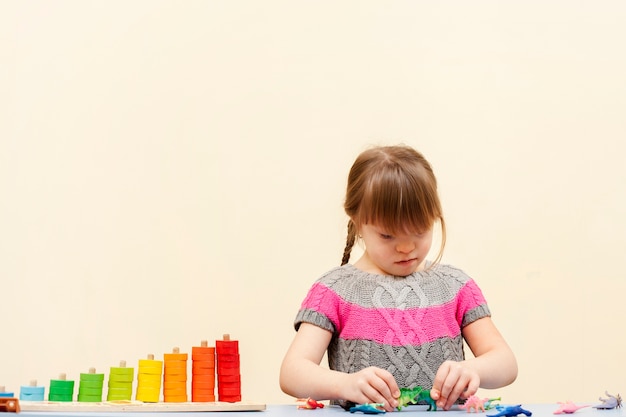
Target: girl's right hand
(373,385)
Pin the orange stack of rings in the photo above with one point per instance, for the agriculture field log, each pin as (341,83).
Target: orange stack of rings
(228,370)
(175,377)
(203,373)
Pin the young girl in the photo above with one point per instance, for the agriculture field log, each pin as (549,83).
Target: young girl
(393,319)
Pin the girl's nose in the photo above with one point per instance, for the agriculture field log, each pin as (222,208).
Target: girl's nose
(405,246)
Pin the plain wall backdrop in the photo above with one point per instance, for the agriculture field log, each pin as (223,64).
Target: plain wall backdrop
(171,171)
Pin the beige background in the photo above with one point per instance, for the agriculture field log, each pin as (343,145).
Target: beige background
(171,171)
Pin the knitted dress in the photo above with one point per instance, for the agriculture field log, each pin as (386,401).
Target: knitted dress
(406,325)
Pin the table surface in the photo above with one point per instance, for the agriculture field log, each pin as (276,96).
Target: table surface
(284,410)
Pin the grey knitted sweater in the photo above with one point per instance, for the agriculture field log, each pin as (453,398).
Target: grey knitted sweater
(406,325)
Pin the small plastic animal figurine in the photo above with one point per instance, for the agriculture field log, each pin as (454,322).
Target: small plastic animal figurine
(568,407)
(474,403)
(308,404)
(489,404)
(612,401)
(368,408)
(510,411)
(414,396)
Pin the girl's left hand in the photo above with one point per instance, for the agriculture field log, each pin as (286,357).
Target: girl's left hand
(453,381)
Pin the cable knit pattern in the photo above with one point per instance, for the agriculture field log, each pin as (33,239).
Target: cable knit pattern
(407,325)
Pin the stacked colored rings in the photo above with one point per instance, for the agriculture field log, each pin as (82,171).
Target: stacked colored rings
(228,370)
(203,373)
(121,383)
(61,389)
(149,380)
(5,394)
(90,387)
(175,377)
(32,392)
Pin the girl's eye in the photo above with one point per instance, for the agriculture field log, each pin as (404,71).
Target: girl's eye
(386,237)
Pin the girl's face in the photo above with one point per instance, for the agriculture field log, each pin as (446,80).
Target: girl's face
(397,255)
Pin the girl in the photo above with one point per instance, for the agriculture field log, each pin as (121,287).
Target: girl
(393,319)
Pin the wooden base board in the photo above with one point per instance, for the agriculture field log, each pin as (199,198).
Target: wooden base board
(138,406)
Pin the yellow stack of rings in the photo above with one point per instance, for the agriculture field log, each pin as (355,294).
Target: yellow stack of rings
(149,380)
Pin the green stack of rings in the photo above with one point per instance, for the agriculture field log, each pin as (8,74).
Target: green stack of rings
(90,387)
(61,389)
(121,383)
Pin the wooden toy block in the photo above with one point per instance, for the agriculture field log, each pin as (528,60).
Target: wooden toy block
(175,376)
(203,373)
(61,389)
(228,369)
(149,380)
(9,405)
(32,392)
(4,393)
(90,386)
(120,383)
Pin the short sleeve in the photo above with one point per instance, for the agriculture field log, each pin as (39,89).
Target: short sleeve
(320,308)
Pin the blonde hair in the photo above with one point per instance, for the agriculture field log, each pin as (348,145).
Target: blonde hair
(394,187)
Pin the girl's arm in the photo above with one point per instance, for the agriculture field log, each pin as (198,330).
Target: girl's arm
(301,375)
(493,365)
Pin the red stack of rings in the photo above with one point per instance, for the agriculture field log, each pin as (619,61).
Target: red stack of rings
(228,370)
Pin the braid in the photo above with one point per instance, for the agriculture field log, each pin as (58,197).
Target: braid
(349,242)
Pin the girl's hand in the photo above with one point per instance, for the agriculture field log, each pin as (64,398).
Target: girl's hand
(373,385)
(453,380)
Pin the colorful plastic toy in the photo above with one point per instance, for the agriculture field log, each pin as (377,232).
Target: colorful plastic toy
(369,408)
(489,404)
(414,396)
(568,407)
(474,403)
(510,411)
(308,404)
(612,401)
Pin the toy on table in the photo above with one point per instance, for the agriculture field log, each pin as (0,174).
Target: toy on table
(612,401)
(474,403)
(568,407)
(175,376)
(368,408)
(203,372)
(149,373)
(9,405)
(228,370)
(4,393)
(489,404)
(32,392)
(90,386)
(414,396)
(121,383)
(308,404)
(510,411)
(61,389)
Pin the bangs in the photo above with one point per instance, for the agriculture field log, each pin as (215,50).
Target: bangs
(399,201)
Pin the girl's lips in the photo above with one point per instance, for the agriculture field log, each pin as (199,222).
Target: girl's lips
(406,262)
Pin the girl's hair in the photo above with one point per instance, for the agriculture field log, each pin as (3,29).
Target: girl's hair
(393,187)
